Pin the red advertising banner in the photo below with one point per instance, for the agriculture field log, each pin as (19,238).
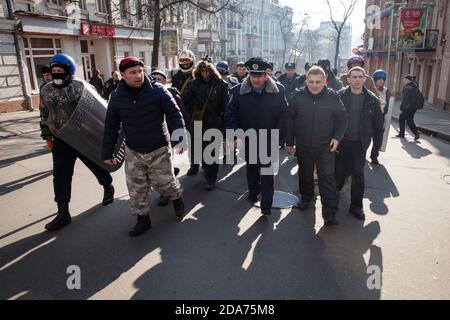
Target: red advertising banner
(413,26)
(91,29)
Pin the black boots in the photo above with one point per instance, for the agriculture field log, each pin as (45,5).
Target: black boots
(178,205)
(210,185)
(417,135)
(142,225)
(358,213)
(303,205)
(108,195)
(193,170)
(62,218)
(163,201)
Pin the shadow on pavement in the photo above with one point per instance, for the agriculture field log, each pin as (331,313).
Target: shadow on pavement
(223,249)
(20,183)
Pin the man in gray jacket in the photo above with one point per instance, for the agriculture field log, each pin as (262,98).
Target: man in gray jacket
(317,121)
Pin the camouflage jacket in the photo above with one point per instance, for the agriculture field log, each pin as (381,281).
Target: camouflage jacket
(57,105)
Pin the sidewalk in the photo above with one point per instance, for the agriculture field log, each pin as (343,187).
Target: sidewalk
(429,120)
(17,123)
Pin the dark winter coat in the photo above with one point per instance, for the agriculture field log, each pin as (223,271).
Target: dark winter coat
(249,109)
(314,120)
(371,124)
(142,114)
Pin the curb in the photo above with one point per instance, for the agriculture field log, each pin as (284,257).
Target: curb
(15,134)
(430,132)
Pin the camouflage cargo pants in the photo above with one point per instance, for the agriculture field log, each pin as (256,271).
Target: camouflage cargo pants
(144,171)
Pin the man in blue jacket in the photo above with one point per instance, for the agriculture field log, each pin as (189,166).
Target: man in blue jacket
(258,103)
(140,106)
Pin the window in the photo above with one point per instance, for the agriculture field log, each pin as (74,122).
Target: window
(125,8)
(55,2)
(38,52)
(101,6)
(82,4)
(138,4)
(126,54)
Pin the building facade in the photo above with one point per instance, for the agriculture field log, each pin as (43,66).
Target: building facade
(257,31)
(431,64)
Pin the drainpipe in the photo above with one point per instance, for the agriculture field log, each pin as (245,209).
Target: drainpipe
(20,61)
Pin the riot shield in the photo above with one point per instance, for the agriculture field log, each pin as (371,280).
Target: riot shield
(84,130)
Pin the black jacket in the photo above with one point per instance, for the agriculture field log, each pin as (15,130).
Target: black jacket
(179,80)
(249,109)
(408,95)
(140,113)
(314,120)
(289,84)
(196,95)
(371,124)
(97,83)
(110,86)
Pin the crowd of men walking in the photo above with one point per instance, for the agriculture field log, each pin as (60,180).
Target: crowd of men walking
(326,122)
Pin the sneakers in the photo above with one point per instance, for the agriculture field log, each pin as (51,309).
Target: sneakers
(358,213)
(108,195)
(179,208)
(143,224)
(61,220)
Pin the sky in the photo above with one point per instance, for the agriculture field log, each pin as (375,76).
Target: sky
(318,11)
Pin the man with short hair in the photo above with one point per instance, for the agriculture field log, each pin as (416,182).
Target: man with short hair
(111,84)
(316,123)
(141,107)
(97,82)
(259,103)
(365,123)
(241,72)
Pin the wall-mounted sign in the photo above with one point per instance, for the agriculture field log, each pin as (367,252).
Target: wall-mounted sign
(90,29)
(413,25)
(169,42)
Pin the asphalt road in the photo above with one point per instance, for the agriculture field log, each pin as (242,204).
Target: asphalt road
(224,248)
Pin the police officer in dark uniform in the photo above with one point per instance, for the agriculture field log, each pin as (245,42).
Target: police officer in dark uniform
(258,103)
(288,80)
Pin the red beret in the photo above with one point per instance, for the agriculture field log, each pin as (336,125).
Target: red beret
(129,62)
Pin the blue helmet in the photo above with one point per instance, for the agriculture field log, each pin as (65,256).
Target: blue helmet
(380,74)
(222,67)
(65,61)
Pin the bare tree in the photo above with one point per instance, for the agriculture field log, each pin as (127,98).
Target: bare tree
(155,10)
(348,7)
(286,27)
(299,47)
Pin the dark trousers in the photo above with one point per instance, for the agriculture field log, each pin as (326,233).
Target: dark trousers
(325,163)
(210,170)
(408,117)
(351,158)
(263,184)
(64,157)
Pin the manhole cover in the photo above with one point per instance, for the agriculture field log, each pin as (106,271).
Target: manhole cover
(282,200)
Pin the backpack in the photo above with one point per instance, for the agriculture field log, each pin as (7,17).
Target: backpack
(419,98)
